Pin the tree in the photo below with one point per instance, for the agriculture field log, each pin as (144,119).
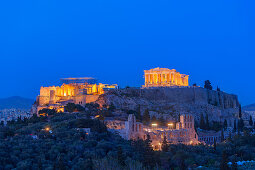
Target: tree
(146,117)
(149,159)
(46,112)
(240,111)
(207,125)
(224,159)
(88,164)
(234,165)
(214,144)
(40,164)
(202,122)
(70,107)
(162,121)
(208,85)
(222,136)
(164,146)
(225,124)
(234,126)
(153,119)
(60,164)
(138,113)
(111,107)
(180,157)
(240,124)
(251,121)
(121,157)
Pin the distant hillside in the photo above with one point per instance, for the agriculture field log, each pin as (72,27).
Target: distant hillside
(250,107)
(16,102)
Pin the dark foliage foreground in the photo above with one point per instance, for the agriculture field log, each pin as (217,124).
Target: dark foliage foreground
(57,143)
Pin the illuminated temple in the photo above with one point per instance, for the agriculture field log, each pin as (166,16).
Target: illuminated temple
(73,90)
(164,77)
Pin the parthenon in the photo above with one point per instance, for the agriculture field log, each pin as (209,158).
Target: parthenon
(164,77)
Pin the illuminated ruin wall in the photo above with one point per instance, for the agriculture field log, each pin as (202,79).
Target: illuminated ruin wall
(79,93)
(164,77)
(183,133)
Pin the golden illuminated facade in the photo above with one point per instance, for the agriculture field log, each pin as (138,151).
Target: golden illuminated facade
(184,132)
(164,77)
(77,90)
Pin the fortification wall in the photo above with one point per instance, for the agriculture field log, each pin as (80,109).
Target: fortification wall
(91,98)
(182,95)
(170,102)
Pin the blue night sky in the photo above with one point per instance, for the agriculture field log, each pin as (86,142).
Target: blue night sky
(115,40)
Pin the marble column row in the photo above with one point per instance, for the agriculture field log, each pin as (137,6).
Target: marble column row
(165,78)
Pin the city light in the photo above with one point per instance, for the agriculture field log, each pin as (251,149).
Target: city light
(170,124)
(47,128)
(154,124)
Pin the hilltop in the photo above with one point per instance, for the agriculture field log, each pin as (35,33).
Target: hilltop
(170,102)
(16,102)
(250,107)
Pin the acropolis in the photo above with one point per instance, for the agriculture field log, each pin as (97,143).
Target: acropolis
(73,90)
(164,77)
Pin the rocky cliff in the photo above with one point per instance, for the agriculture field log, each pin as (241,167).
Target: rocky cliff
(170,102)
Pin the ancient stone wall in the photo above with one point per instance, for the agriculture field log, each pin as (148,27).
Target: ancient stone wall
(91,98)
(170,102)
(183,95)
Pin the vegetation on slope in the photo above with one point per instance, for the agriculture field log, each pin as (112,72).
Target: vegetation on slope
(59,142)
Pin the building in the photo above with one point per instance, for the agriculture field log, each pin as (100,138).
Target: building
(73,90)
(133,129)
(183,133)
(208,137)
(164,77)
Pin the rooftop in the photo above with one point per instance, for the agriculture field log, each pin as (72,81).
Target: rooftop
(78,80)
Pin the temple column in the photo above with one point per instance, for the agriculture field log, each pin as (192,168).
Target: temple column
(145,79)
(154,77)
(168,78)
(187,81)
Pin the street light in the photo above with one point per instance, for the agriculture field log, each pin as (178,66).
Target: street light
(154,125)
(170,125)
